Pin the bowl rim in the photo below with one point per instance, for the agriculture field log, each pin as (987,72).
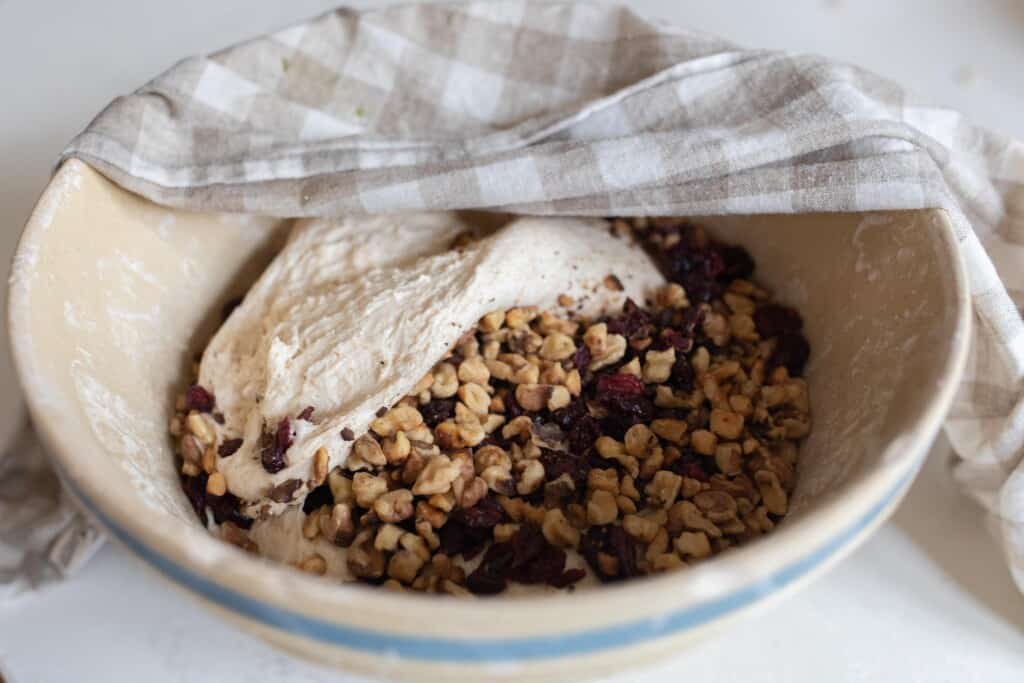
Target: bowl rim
(713,589)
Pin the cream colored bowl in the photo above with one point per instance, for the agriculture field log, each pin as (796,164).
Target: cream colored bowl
(111,295)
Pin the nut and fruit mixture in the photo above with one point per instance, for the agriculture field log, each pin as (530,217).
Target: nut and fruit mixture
(640,443)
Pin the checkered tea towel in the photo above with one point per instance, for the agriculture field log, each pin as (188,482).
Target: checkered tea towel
(577,108)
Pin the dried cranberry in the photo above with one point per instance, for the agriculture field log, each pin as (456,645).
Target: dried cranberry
(485,583)
(285,491)
(625,412)
(738,263)
(582,435)
(476,541)
(691,321)
(697,269)
(623,547)
(772,320)
(283,438)
(568,577)
(714,266)
(482,582)
(491,575)
(618,386)
(437,411)
(611,540)
(700,289)
(566,417)
(677,340)
(591,543)
(195,491)
(512,407)
(582,357)
(274,447)
(527,543)
(633,322)
(484,515)
(199,399)
(686,260)
(306,414)
(682,373)
(692,466)
(229,447)
(557,464)
(791,351)
(453,538)
(318,498)
(582,430)
(226,509)
(547,565)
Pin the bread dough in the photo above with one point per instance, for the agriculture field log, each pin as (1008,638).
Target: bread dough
(353,312)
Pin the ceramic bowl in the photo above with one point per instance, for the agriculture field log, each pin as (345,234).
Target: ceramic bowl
(111,296)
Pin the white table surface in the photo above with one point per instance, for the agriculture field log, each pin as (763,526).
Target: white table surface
(926,599)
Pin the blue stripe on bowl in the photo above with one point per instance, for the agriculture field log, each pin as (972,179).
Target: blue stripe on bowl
(454,650)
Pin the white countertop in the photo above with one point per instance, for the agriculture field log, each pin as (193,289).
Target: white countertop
(926,599)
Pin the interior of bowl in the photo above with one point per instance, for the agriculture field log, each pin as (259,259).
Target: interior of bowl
(112,296)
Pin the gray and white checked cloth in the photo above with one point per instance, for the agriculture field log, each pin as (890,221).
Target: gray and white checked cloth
(576,108)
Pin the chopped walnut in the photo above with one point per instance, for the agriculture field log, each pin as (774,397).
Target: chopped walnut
(602,508)
(520,317)
(337,525)
(557,346)
(775,499)
(726,424)
(314,564)
(493,321)
(367,450)
(640,441)
(729,459)
(603,480)
(396,448)
(704,442)
(402,417)
(394,506)
(717,506)
(694,545)
(446,381)
(530,476)
(321,463)
(436,476)
(475,398)
(367,488)
(473,492)
(474,371)
(363,560)
(558,531)
(640,528)
(658,366)
(216,485)
(199,426)
(670,430)
(404,565)
(664,488)
(387,537)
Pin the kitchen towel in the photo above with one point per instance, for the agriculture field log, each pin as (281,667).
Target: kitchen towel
(42,534)
(578,108)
